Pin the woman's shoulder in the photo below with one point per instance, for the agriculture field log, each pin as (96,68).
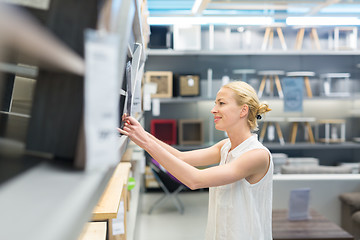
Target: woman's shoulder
(222,143)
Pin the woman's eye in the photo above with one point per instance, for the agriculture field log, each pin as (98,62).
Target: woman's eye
(219,103)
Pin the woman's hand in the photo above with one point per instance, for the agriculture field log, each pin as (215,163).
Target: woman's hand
(133,129)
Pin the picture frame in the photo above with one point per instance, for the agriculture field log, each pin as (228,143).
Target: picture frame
(164,81)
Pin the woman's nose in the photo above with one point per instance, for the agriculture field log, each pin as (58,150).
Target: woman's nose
(213,110)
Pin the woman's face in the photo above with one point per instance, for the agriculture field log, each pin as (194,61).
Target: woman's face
(226,110)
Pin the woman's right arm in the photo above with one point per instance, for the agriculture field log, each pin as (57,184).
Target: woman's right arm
(200,157)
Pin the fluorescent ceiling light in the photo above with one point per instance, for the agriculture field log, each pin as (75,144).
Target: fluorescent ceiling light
(323,21)
(210,20)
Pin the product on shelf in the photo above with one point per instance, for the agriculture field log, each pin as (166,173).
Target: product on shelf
(305,75)
(191,132)
(270,75)
(164,129)
(331,129)
(164,81)
(187,85)
(295,121)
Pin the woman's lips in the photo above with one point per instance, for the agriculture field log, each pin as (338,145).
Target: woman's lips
(216,119)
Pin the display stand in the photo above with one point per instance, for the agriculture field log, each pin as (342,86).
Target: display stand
(269,38)
(294,128)
(300,37)
(271,75)
(306,76)
(268,122)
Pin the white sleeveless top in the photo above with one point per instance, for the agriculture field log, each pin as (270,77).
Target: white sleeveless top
(240,210)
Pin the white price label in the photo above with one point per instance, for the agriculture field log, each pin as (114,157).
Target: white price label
(101,99)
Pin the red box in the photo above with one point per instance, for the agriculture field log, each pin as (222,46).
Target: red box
(164,129)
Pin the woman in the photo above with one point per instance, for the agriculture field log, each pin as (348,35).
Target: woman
(240,183)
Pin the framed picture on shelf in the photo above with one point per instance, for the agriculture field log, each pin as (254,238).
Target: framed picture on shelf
(164,81)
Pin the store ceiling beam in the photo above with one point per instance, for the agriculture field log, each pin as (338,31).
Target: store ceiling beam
(199,6)
(319,7)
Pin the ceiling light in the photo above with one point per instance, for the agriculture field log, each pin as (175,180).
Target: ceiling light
(323,21)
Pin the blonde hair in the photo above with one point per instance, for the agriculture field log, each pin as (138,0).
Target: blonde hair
(246,94)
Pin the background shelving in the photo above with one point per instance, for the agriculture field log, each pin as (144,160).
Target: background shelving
(227,56)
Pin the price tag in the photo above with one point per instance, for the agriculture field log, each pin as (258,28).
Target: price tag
(101,100)
(191,82)
(118,224)
(156,107)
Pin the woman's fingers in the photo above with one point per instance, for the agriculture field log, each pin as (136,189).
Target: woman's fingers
(131,120)
(122,131)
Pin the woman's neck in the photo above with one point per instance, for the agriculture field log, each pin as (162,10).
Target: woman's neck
(236,138)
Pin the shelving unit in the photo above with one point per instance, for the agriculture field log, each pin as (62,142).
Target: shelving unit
(43,195)
(223,61)
(329,154)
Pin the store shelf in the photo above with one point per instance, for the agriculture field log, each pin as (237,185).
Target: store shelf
(206,99)
(171,52)
(49,202)
(309,146)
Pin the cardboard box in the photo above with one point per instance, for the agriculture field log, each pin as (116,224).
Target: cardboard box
(187,37)
(187,85)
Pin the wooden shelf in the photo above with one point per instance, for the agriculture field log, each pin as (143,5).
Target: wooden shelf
(114,201)
(94,231)
(108,205)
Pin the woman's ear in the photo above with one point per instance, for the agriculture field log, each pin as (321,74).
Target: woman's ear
(244,110)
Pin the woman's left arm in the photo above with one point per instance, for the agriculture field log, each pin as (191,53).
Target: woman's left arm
(248,164)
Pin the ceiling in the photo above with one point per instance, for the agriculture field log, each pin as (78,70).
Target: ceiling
(278,9)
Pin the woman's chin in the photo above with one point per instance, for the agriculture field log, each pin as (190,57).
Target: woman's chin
(219,128)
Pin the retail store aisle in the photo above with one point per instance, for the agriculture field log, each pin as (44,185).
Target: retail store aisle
(167,223)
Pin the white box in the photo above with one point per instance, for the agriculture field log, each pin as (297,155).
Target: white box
(187,37)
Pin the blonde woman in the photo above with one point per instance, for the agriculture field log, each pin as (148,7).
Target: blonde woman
(240,179)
